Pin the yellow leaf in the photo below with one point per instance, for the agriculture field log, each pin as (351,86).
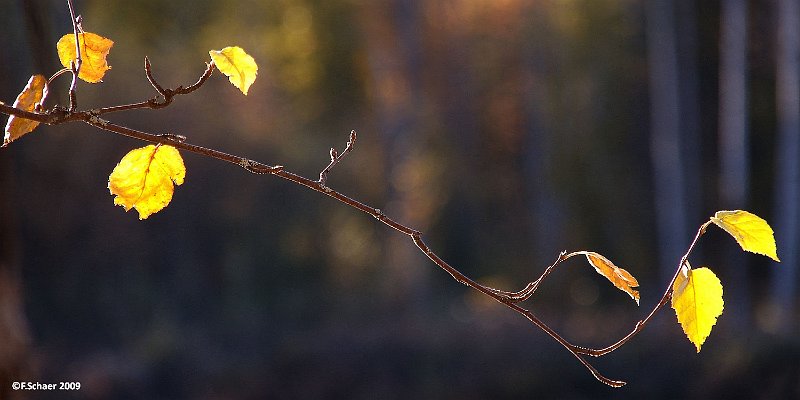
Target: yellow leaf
(143,178)
(94,50)
(27,100)
(697,300)
(750,231)
(239,66)
(621,278)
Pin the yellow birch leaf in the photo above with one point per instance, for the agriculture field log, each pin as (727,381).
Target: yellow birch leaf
(26,100)
(94,50)
(697,300)
(751,232)
(144,178)
(239,66)
(621,278)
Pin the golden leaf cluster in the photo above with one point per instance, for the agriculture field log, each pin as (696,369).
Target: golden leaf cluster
(697,293)
(145,178)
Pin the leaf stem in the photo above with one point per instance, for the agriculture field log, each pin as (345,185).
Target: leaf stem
(75,66)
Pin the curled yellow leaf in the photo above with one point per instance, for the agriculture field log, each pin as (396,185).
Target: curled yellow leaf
(751,232)
(697,301)
(144,178)
(94,50)
(621,278)
(240,68)
(27,100)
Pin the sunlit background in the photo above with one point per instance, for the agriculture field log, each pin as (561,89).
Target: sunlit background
(505,130)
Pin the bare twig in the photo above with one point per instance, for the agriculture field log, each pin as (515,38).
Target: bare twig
(336,157)
(149,73)
(530,288)
(75,66)
(164,97)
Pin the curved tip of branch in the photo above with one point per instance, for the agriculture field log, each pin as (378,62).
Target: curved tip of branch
(613,383)
(608,381)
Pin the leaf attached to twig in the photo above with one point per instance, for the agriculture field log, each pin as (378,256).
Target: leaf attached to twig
(697,300)
(621,278)
(94,50)
(239,66)
(751,232)
(27,100)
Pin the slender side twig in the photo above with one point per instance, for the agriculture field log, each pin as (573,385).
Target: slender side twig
(148,72)
(164,97)
(336,157)
(526,292)
(75,66)
(512,304)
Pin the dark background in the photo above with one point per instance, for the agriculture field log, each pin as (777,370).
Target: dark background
(506,130)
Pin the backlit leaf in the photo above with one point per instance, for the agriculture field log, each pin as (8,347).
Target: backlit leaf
(239,66)
(26,100)
(621,278)
(94,50)
(697,300)
(750,231)
(144,178)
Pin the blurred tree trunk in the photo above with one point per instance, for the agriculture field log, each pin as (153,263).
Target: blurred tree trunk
(665,139)
(13,327)
(784,285)
(394,45)
(14,342)
(689,101)
(14,332)
(547,213)
(734,179)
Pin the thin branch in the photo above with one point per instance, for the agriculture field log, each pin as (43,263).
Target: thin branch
(52,117)
(661,303)
(512,304)
(149,73)
(58,73)
(336,157)
(164,97)
(530,288)
(509,299)
(75,65)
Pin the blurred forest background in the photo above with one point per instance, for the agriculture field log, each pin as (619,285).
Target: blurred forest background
(506,130)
